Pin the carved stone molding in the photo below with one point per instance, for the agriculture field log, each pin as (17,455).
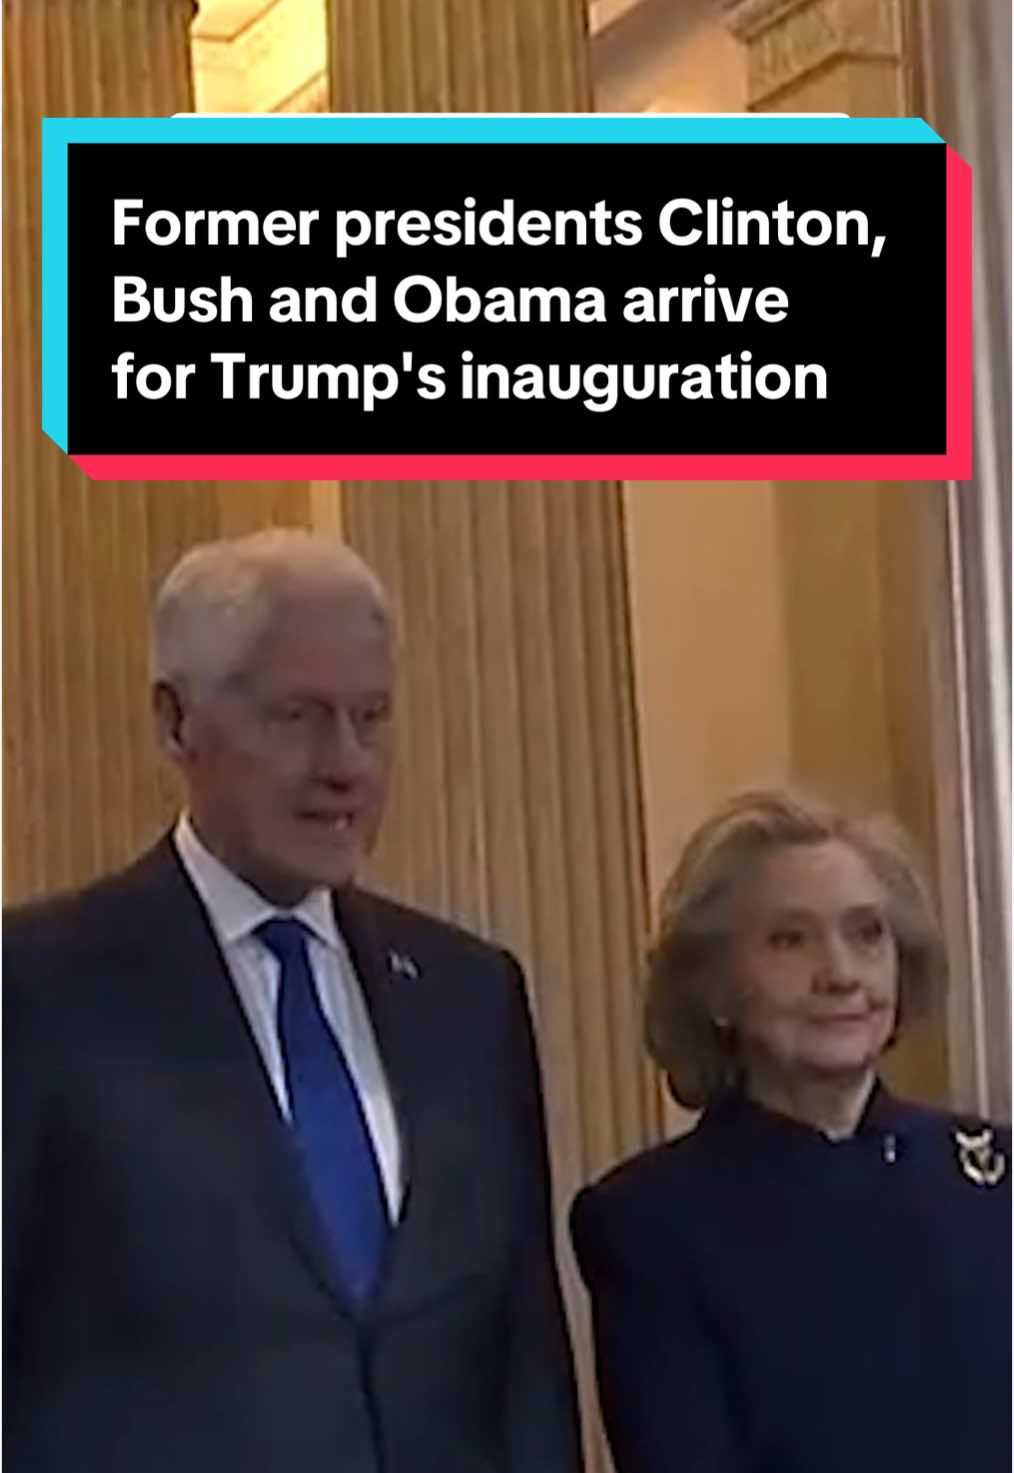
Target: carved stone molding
(789,41)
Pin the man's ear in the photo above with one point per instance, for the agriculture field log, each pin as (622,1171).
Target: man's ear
(170,720)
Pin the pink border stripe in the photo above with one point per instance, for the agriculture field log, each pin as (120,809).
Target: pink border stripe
(955,464)
(959,318)
(521,467)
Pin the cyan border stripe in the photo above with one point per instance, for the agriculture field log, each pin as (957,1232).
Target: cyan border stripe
(54,280)
(499,128)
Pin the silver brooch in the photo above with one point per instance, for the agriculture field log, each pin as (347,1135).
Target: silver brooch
(979,1158)
(402,965)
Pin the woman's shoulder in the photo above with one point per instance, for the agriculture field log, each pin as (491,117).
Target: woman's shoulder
(945,1121)
(635,1200)
(979,1145)
(649,1169)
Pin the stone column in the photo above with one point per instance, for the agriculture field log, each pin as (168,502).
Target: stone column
(83,786)
(458,56)
(965,95)
(517,810)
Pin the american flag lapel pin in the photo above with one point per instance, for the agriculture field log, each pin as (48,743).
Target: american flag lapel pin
(402,965)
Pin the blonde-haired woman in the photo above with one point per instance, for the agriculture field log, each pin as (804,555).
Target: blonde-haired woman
(816,1279)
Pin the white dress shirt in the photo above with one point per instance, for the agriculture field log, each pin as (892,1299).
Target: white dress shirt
(236,910)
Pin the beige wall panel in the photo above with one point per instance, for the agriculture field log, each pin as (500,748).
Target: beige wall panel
(831,584)
(906,516)
(710,656)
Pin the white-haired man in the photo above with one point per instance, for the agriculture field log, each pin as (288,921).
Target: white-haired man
(276,1191)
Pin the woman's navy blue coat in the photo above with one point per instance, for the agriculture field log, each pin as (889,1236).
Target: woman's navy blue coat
(767,1301)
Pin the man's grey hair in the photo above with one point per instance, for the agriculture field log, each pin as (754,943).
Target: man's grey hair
(220,597)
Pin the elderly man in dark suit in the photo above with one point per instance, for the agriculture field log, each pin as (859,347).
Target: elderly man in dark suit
(276,1194)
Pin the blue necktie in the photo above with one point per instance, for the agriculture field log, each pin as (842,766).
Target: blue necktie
(327,1117)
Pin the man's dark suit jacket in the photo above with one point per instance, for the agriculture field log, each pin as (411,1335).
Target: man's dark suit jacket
(169,1304)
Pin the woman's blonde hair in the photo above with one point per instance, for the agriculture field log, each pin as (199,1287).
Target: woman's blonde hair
(685,965)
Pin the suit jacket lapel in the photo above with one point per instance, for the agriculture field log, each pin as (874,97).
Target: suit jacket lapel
(370,959)
(192,984)
(399,1025)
